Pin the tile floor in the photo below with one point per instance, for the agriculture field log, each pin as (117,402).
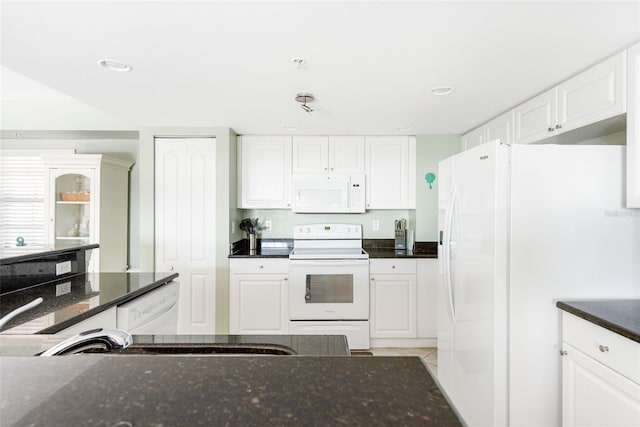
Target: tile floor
(429,354)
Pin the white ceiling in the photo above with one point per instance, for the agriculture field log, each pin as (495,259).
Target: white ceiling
(370,64)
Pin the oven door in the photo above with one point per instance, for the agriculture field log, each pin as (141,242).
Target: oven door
(329,289)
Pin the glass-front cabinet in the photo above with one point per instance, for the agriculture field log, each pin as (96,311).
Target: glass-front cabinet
(74,211)
(87,202)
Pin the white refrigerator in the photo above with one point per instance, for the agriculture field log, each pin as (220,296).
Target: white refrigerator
(521,227)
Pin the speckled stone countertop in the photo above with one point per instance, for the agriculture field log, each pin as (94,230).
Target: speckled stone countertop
(75,298)
(376,248)
(236,391)
(29,252)
(301,345)
(619,316)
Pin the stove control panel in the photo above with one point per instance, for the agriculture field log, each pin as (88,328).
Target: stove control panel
(327,231)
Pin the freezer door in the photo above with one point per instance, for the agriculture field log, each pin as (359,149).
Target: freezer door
(473,285)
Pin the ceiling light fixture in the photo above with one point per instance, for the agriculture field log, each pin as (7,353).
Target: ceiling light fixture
(298,61)
(441,90)
(290,128)
(304,98)
(114,65)
(403,128)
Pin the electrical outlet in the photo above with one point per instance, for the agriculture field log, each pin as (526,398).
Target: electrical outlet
(376,225)
(233,226)
(63,268)
(268,225)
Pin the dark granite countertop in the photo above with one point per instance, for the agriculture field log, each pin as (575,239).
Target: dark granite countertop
(376,248)
(619,316)
(237,390)
(26,253)
(75,298)
(301,345)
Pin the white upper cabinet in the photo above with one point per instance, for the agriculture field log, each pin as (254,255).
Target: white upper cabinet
(594,95)
(264,172)
(473,138)
(346,154)
(328,154)
(500,128)
(536,118)
(633,128)
(310,154)
(390,170)
(591,96)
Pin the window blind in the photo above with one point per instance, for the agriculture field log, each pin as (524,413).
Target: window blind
(22,180)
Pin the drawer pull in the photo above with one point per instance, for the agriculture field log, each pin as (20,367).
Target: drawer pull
(603,348)
(563,352)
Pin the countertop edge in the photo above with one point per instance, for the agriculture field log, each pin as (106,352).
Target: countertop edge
(54,329)
(598,320)
(39,255)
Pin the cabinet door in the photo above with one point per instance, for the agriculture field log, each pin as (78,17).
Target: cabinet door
(387,168)
(393,306)
(346,154)
(72,220)
(633,128)
(593,95)
(310,154)
(595,395)
(265,172)
(536,118)
(258,304)
(500,128)
(473,138)
(185,226)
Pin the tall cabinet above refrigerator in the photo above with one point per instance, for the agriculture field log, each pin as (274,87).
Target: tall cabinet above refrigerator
(87,198)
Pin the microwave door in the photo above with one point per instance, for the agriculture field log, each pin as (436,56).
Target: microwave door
(321,197)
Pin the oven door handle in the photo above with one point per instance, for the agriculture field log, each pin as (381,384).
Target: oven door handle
(325,262)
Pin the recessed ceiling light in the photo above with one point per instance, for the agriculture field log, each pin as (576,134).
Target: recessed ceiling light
(403,128)
(441,90)
(114,65)
(290,128)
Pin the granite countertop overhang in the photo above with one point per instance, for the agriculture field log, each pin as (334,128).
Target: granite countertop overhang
(237,390)
(619,316)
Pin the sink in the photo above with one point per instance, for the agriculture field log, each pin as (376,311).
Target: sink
(205,349)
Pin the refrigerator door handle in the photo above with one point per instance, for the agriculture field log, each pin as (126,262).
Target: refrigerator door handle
(447,254)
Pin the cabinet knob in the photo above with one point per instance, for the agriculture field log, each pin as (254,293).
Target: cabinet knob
(285,279)
(393,266)
(171,268)
(372,279)
(603,348)
(563,352)
(262,266)
(558,126)
(325,168)
(550,129)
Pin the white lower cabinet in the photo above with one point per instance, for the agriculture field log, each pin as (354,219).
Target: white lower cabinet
(600,376)
(392,298)
(258,299)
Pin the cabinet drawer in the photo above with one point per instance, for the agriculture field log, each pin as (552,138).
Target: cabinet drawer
(259,266)
(392,266)
(615,351)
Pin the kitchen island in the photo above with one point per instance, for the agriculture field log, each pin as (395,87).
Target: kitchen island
(220,390)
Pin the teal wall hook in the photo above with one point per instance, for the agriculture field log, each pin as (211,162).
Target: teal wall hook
(20,241)
(430,177)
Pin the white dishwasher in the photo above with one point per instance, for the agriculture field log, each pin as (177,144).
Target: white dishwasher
(155,312)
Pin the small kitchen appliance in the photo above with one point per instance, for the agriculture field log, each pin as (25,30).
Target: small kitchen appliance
(329,282)
(401,234)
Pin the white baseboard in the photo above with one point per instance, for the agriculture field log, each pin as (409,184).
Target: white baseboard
(403,342)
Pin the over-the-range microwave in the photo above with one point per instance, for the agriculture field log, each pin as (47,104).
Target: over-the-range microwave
(334,193)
